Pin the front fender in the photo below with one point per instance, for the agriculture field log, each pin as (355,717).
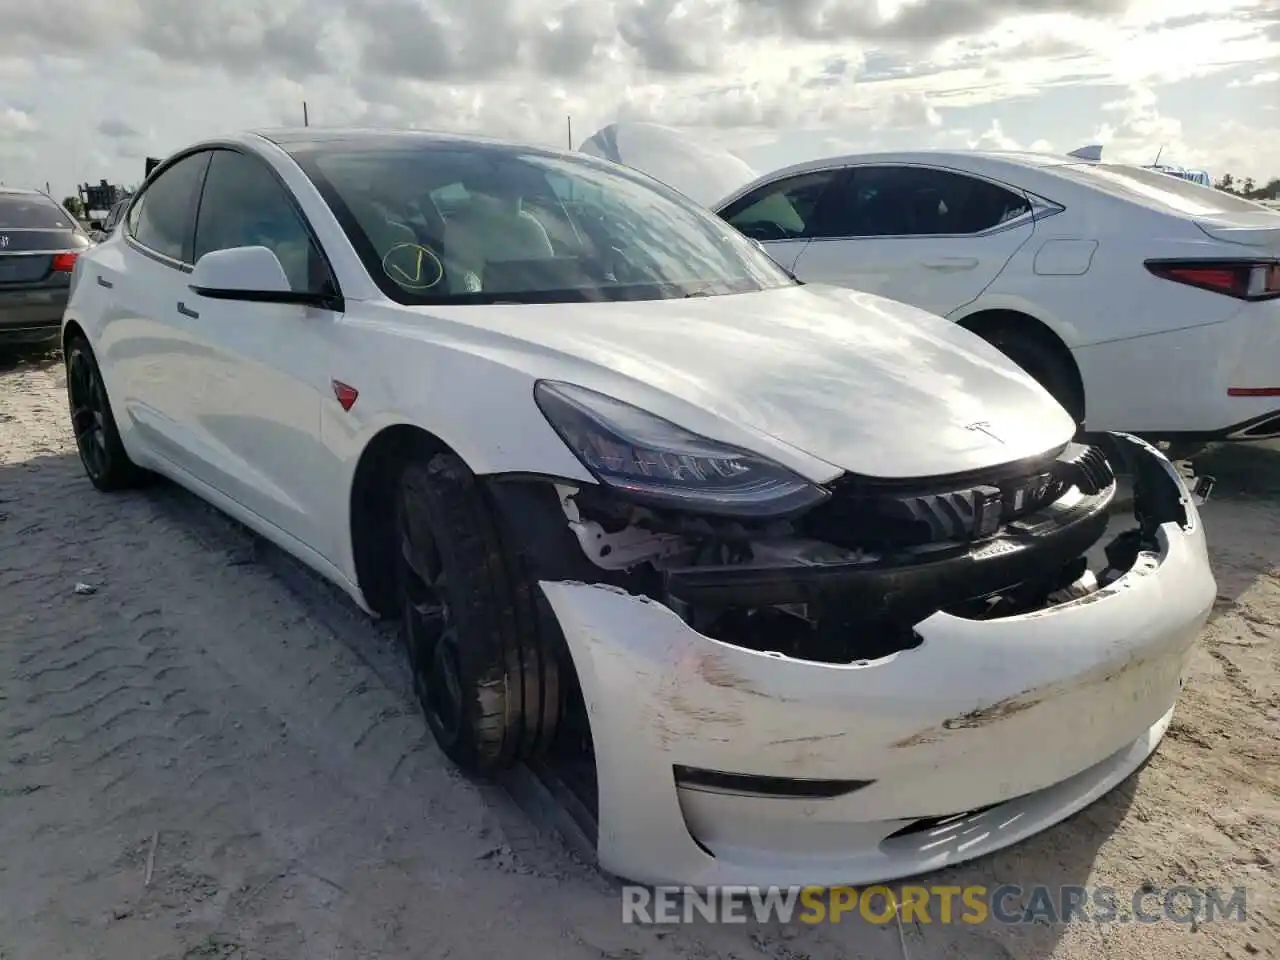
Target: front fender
(479,408)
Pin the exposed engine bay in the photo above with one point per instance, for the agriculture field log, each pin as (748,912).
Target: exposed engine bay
(847,580)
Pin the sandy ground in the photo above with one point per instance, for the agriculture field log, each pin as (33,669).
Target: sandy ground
(210,755)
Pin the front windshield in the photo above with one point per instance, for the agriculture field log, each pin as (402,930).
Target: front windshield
(443,222)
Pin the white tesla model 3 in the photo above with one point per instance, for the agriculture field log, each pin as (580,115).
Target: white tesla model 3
(824,577)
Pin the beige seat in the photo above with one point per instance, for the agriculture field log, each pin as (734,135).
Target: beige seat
(489,230)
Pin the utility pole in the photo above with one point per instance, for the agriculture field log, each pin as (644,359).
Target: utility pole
(306,120)
(569,122)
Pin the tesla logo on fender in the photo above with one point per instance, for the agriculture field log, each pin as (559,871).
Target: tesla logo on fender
(346,394)
(983,426)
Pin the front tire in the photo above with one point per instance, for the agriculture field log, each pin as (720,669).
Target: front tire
(488,685)
(102,455)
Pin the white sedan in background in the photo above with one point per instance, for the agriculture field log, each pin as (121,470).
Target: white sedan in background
(1142,302)
(819,581)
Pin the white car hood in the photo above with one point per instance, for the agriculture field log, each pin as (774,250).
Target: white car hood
(802,374)
(702,173)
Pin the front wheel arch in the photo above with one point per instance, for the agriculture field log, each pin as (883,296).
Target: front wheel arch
(72,331)
(1010,330)
(371,522)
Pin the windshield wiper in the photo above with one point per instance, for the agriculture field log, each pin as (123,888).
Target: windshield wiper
(709,289)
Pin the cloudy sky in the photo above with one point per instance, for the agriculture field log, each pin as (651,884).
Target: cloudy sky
(88,88)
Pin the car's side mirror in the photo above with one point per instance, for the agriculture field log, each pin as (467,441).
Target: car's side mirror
(251,274)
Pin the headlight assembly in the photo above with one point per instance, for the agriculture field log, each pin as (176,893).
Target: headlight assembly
(653,460)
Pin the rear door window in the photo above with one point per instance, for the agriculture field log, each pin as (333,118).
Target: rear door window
(905,201)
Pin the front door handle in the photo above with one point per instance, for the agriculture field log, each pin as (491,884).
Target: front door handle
(951,263)
(187,311)
(103,282)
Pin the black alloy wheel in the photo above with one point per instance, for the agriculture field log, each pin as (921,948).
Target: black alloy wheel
(103,456)
(485,677)
(88,413)
(430,633)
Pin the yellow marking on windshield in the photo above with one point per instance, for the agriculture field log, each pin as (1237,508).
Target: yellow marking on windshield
(418,267)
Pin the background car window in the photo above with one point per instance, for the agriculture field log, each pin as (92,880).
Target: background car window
(244,205)
(917,201)
(790,209)
(31,211)
(165,220)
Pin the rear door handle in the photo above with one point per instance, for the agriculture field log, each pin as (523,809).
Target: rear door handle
(951,263)
(187,311)
(103,282)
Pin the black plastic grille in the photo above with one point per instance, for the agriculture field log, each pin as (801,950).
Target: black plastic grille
(875,516)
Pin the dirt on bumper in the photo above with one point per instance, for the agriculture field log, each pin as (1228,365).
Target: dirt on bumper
(980,713)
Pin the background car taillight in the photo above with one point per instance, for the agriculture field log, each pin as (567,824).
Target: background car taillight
(1242,279)
(65,262)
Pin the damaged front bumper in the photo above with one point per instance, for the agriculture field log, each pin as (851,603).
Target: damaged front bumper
(718,764)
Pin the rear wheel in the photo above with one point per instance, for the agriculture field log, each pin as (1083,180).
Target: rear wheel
(97,439)
(487,686)
(1045,364)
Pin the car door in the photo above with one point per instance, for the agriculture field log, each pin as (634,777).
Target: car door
(929,237)
(786,214)
(149,357)
(263,367)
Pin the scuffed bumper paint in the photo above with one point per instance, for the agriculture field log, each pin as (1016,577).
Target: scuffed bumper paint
(1028,718)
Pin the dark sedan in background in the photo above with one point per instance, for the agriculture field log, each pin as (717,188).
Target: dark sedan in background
(39,244)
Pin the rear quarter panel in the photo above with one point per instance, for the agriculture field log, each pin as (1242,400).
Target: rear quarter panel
(1116,298)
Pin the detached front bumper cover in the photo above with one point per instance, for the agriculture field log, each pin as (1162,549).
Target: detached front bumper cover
(719,765)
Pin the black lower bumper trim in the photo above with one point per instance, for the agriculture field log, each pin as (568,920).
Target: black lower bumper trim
(31,333)
(905,584)
(746,784)
(1263,427)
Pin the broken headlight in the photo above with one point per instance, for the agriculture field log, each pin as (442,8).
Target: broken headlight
(653,460)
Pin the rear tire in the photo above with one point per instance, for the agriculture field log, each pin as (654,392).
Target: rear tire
(1045,364)
(102,455)
(487,684)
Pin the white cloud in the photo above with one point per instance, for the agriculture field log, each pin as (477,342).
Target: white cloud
(15,122)
(993,138)
(908,109)
(121,79)
(1137,132)
(1258,79)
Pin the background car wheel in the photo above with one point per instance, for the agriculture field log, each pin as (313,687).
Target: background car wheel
(97,439)
(1045,363)
(488,686)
